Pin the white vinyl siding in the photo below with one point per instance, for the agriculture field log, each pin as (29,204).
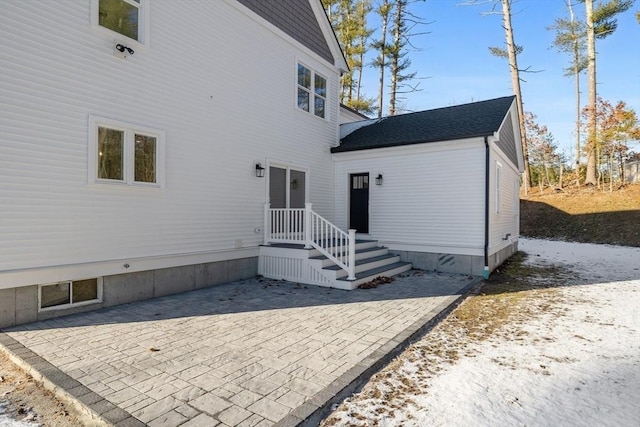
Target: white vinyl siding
(432,196)
(221,118)
(504,218)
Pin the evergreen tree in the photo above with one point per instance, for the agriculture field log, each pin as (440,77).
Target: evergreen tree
(511,53)
(398,61)
(600,23)
(382,46)
(570,38)
(348,18)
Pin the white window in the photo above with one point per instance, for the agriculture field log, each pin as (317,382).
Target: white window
(128,18)
(121,153)
(70,293)
(498,185)
(312,92)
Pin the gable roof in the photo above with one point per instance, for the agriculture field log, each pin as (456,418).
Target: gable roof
(476,119)
(304,21)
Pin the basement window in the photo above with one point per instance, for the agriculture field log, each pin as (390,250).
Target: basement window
(70,293)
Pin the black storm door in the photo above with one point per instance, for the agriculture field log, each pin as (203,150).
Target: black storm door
(359,202)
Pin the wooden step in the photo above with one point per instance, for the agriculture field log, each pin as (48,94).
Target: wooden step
(361,254)
(366,264)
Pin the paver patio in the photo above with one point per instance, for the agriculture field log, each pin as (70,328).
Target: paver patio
(250,353)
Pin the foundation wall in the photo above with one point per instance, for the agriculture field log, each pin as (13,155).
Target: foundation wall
(456,264)
(20,305)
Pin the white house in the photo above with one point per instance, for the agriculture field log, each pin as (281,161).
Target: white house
(437,187)
(132,132)
(149,148)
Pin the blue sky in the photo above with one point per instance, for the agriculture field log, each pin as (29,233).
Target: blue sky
(460,69)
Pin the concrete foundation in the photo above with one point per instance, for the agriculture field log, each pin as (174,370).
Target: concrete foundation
(20,305)
(456,264)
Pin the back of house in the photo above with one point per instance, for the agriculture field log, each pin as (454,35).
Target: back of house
(134,140)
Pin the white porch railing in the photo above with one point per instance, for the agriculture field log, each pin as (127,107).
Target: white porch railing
(304,226)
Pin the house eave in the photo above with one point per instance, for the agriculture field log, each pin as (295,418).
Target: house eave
(339,148)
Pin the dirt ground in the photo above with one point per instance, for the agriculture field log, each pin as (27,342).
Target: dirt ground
(24,399)
(586,215)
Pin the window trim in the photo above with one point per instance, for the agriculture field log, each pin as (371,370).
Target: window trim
(128,162)
(312,92)
(516,196)
(143,23)
(498,185)
(71,304)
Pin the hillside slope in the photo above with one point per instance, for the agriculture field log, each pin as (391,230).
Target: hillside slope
(587,215)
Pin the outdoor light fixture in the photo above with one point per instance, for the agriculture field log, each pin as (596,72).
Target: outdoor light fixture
(121,48)
(259,171)
(379,179)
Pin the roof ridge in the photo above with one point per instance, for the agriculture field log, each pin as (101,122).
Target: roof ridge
(451,106)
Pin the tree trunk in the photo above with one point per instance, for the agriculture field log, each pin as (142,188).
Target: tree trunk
(591,72)
(383,51)
(515,80)
(576,74)
(395,58)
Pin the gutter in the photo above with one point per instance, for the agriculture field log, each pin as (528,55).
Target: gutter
(485,271)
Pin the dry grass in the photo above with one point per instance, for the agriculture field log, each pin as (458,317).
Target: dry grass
(586,215)
(513,294)
(504,304)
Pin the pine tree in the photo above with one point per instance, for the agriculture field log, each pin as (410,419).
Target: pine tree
(600,23)
(348,19)
(511,53)
(398,61)
(570,38)
(381,45)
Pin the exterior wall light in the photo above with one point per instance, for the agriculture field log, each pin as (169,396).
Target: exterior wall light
(259,171)
(379,179)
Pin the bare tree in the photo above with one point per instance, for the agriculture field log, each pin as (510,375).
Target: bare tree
(404,24)
(384,11)
(570,38)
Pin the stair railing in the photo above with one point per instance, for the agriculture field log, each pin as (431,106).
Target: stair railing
(304,226)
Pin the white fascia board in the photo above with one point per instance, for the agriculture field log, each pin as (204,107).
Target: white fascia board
(329,35)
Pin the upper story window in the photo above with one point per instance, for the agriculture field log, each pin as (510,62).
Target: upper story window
(312,92)
(125,154)
(125,17)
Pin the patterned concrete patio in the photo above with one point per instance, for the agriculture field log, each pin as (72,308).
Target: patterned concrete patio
(249,353)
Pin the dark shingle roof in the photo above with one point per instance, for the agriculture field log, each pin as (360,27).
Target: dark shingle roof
(442,124)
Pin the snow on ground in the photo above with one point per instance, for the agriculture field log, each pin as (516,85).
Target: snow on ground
(7,421)
(591,263)
(575,362)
